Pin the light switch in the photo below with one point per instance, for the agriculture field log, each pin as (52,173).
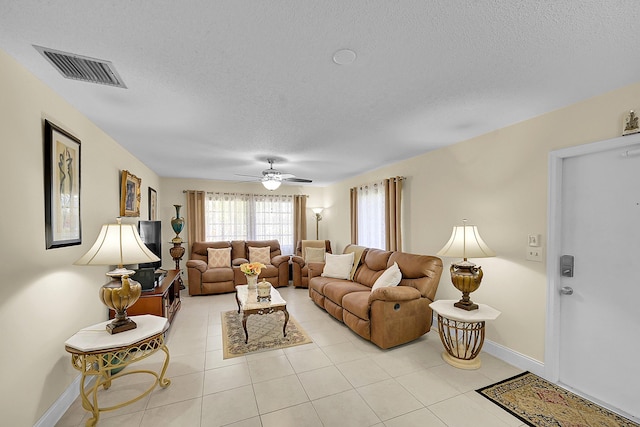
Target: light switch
(534,240)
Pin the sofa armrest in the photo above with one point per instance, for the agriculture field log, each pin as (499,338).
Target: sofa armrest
(394,293)
(315,269)
(197,264)
(297,260)
(237,261)
(279,259)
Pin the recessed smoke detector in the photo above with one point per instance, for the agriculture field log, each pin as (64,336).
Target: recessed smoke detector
(83,68)
(344,57)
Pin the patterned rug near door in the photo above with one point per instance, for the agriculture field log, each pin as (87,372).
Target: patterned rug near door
(265,333)
(540,403)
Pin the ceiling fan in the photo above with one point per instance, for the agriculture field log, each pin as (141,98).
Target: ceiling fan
(272,178)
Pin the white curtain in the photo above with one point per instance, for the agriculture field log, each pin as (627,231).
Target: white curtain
(234,216)
(371,215)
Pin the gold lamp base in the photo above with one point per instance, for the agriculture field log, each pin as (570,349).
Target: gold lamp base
(466,277)
(118,295)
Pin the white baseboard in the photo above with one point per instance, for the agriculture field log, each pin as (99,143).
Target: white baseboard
(505,354)
(514,358)
(62,404)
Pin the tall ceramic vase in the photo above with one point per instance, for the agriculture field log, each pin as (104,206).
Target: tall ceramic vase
(252,280)
(177,223)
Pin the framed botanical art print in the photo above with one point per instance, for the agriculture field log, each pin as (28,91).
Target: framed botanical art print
(61,187)
(129,194)
(153,205)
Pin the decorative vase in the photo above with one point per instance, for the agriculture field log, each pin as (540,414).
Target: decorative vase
(264,291)
(177,223)
(252,280)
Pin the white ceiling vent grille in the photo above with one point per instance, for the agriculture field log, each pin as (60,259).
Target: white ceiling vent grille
(82,68)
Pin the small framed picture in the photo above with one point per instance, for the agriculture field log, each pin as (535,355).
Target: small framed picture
(129,194)
(153,205)
(61,187)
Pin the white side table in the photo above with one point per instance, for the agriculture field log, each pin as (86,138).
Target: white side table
(95,352)
(462,332)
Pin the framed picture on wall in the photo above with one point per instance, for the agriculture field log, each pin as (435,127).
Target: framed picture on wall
(153,205)
(61,187)
(129,194)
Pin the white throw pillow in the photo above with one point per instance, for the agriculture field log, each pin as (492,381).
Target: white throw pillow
(314,254)
(261,254)
(219,257)
(337,266)
(390,277)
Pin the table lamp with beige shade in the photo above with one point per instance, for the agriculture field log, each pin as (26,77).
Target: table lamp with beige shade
(466,242)
(119,244)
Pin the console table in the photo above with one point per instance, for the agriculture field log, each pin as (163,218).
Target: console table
(163,300)
(96,353)
(462,332)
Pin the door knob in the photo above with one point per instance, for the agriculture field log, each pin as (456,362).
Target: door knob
(566,290)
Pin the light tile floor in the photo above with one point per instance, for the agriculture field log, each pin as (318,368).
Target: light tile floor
(338,380)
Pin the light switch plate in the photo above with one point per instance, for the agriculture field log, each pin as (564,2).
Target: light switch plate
(534,240)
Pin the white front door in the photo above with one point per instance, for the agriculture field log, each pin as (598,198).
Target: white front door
(599,323)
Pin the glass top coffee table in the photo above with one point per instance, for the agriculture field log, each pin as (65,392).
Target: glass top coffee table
(248,304)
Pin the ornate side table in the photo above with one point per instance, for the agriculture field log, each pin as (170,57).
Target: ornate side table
(95,353)
(462,332)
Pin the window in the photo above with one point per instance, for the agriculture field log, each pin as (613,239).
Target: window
(230,216)
(371,225)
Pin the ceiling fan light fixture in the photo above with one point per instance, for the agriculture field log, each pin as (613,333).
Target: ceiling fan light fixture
(271,182)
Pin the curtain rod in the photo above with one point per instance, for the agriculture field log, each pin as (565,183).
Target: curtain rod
(246,194)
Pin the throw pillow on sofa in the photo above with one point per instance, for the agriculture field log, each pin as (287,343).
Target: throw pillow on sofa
(262,254)
(338,266)
(390,277)
(314,254)
(217,258)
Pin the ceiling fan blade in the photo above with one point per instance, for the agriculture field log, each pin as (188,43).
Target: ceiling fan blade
(250,176)
(293,179)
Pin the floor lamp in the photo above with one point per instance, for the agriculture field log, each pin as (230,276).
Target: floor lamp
(317,211)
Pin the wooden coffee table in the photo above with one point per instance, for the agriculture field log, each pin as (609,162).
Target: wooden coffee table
(248,304)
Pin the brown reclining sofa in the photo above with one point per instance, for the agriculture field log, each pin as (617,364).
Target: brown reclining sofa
(204,280)
(388,316)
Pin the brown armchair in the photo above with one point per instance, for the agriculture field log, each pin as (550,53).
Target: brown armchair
(204,280)
(300,267)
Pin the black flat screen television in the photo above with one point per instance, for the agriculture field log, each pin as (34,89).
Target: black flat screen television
(151,234)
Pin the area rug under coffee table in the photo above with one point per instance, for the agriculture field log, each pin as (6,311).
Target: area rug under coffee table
(540,403)
(265,333)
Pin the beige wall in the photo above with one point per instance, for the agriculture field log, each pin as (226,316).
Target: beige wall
(172,191)
(499,182)
(46,299)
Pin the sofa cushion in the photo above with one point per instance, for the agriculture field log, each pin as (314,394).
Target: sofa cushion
(390,277)
(357,303)
(218,257)
(339,288)
(217,275)
(314,254)
(374,263)
(357,257)
(338,266)
(262,255)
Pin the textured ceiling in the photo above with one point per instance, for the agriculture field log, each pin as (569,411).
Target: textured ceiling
(216,87)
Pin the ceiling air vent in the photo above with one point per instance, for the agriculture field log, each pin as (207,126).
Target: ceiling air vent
(78,67)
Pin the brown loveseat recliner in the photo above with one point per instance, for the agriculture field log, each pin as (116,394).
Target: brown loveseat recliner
(204,280)
(388,316)
(299,267)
